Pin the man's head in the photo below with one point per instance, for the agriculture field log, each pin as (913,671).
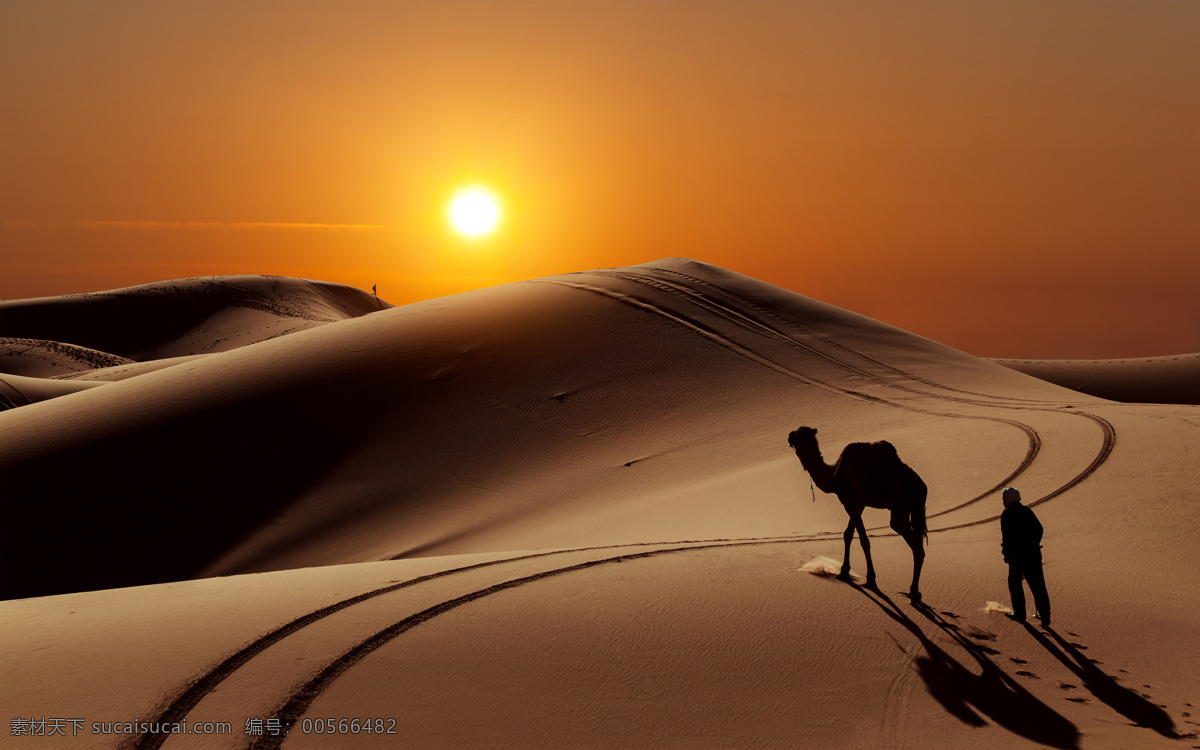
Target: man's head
(1010,496)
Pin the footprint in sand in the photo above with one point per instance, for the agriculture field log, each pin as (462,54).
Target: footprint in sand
(1023,673)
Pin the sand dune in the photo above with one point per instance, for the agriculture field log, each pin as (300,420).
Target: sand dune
(37,358)
(1147,380)
(562,512)
(183,317)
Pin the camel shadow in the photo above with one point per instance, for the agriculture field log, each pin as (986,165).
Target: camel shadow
(1121,699)
(968,696)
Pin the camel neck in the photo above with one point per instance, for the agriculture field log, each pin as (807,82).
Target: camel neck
(814,463)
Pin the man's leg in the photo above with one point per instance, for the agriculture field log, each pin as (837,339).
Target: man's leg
(1016,592)
(1037,585)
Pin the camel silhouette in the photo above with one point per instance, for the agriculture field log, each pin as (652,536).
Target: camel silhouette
(869,475)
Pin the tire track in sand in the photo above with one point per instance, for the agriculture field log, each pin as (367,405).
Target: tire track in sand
(297,702)
(189,696)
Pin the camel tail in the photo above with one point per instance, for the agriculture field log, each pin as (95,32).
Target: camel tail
(917,512)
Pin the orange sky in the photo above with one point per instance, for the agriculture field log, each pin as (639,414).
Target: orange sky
(1011,178)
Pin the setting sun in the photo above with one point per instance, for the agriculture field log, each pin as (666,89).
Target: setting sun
(474,212)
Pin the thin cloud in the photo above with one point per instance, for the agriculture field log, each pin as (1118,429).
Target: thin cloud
(21,225)
(222,226)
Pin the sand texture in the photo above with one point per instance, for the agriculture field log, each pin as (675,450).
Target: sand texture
(563,513)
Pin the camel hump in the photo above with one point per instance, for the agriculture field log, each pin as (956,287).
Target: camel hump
(871,469)
(884,452)
(880,455)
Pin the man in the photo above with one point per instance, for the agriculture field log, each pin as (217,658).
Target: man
(1021,542)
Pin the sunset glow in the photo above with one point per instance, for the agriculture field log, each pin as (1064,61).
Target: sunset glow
(873,155)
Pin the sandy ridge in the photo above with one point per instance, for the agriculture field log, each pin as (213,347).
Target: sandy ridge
(757,325)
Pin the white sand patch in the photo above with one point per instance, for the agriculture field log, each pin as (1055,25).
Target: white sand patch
(826,566)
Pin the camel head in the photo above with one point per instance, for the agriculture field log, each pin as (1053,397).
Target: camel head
(802,437)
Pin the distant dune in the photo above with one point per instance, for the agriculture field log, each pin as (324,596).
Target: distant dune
(563,513)
(182,317)
(1147,380)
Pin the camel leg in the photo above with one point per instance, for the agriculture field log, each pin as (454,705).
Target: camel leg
(918,549)
(902,527)
(866,545)
(849,537)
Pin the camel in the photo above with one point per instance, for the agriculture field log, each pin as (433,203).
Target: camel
(869,475)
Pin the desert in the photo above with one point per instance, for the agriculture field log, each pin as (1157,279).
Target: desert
(564,513)
(695,374)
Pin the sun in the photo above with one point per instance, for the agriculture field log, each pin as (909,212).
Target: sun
(474,212)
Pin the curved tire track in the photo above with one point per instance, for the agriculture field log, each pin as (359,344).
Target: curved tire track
(298,701)
(190,696)
(196,690)
(1109,441)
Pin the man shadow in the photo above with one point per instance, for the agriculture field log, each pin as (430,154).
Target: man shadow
(1121,699)
(966,695)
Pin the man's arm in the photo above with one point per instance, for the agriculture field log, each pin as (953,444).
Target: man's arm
(1005,531)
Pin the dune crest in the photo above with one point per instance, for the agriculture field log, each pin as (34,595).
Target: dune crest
(184,316)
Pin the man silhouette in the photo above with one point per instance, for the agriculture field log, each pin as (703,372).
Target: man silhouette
(1021,543)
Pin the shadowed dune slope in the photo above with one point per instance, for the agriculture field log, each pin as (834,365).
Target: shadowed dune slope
(38,358)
